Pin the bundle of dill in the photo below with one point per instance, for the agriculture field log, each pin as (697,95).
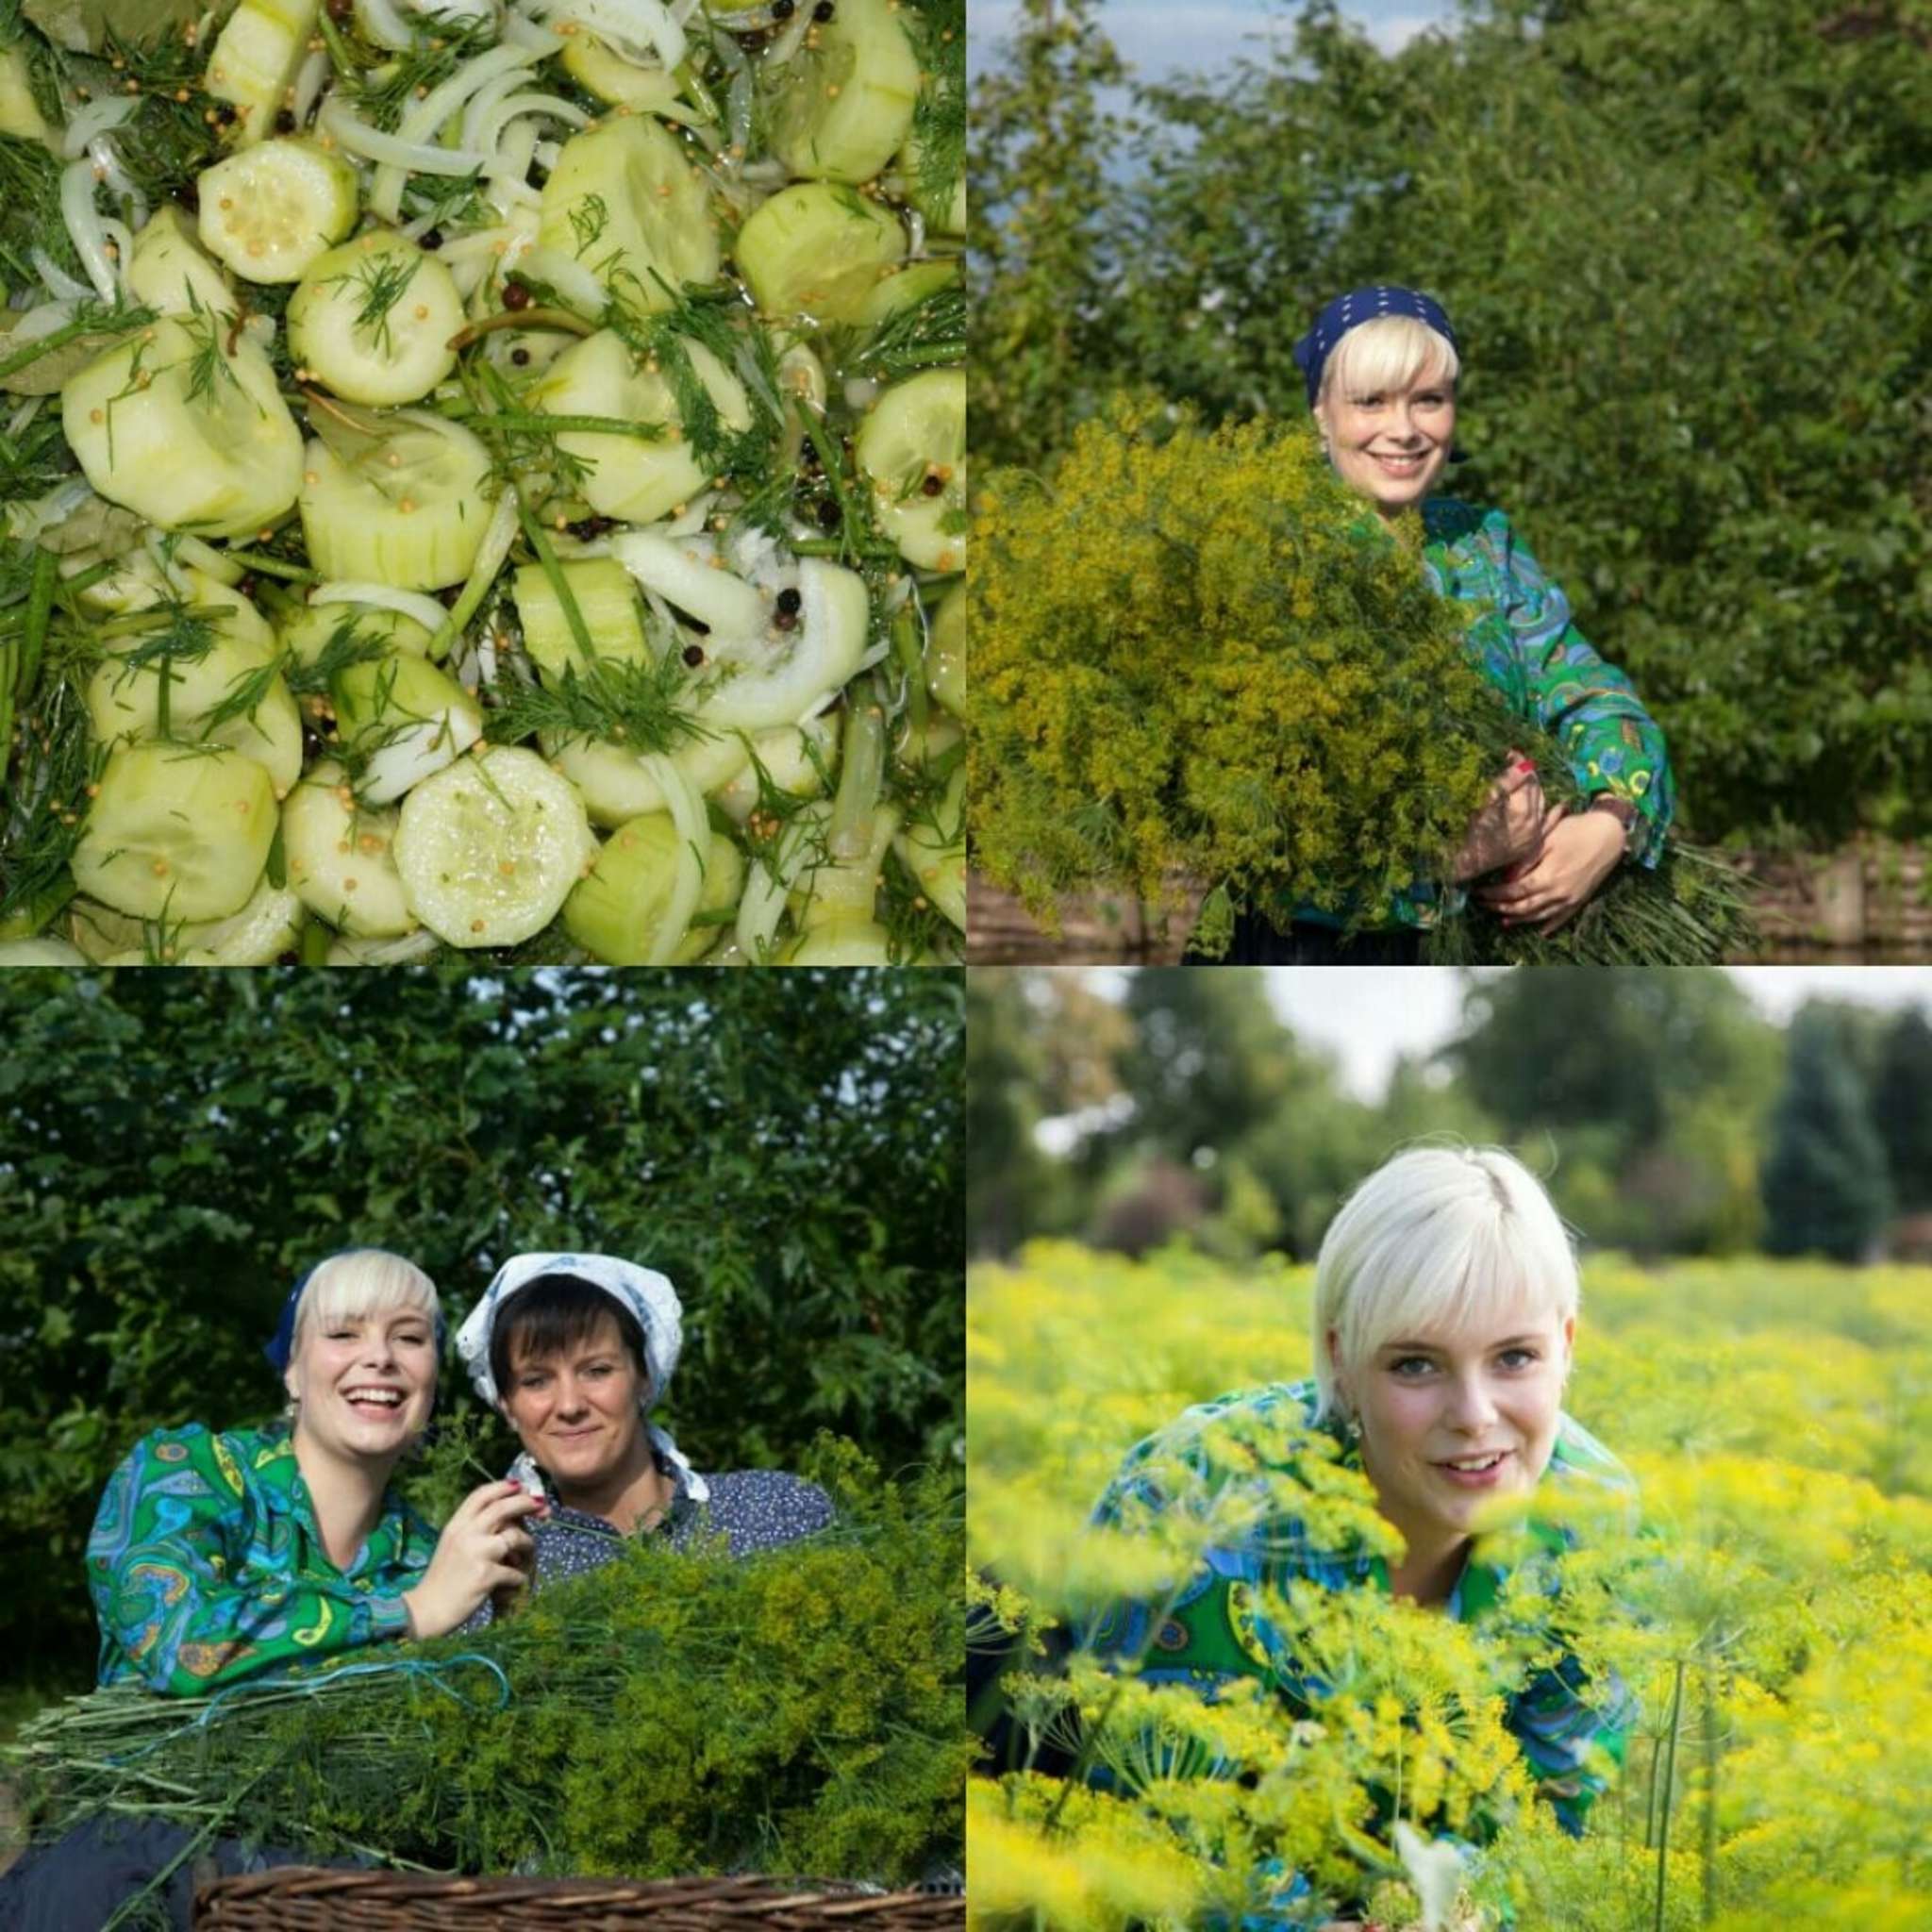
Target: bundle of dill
(1197,655)
(798,1712)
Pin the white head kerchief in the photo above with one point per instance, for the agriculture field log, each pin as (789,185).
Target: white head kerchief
(645,1294)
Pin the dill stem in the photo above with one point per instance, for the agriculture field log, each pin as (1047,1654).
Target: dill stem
(523,318)
(40,609)
(908,646)
(70,332)
(934,356)
(827,546)
(598,425)
(540,543)
(272,566)
(1663,1834)
(861,767)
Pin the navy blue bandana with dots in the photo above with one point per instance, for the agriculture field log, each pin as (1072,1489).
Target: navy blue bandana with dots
(1360,305)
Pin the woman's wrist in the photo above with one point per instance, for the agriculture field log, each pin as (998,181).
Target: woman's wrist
(1621,812)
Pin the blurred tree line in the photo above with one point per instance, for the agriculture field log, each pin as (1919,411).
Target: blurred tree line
(1667,1115)
(178,1148)
(1686,245)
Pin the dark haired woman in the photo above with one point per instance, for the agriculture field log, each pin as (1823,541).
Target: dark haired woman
(574,1351)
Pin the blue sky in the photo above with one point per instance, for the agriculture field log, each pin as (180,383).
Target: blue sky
(1158,36)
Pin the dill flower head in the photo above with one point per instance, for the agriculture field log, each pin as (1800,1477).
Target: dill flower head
(1196,651)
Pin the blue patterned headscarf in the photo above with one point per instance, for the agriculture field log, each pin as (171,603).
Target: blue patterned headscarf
(1350,312)
(281,1345)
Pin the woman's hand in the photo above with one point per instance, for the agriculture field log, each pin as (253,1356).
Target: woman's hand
(1509,829)
(1580,850)
(482,1549)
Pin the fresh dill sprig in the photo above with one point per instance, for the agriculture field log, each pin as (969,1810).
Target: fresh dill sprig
(383,86)
(246,693)
(383,280)
(589,217)
(51,763)
(166,635)
(348,645)
(635,704)
(927,334)
(207,362)
(936,29)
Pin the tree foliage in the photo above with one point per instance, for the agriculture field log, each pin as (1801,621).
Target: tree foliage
(1684,244)
(179,1147)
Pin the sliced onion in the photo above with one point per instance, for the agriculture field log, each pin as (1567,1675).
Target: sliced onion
(57,280)
(534,106)
(570,278)
(391,150)
(693,841)
(119,234)
(94,119)
(84,225)
(425,611)
(380,21)
(762,905)
(424,120)
(309,77)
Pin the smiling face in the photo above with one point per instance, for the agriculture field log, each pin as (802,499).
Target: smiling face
(1389,443)
(365,1382)
(1458,1415)
(576,1409)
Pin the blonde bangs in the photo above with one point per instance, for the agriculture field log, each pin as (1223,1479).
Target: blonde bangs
(1435,1240)
(363,1281)
(1389,353)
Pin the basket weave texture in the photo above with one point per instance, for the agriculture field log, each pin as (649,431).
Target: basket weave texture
(302,1898)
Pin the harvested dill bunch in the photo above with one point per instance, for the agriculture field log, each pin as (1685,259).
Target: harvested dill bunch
(1194,652)
(798,1712)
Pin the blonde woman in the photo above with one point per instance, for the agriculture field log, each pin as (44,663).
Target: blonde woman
(1446,1301)
(1381,365)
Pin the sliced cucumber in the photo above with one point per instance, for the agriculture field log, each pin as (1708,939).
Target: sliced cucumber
(796,758)
(846,889)
(489,849)
(185,431)
(175,833)
(40,952)
(618,911)
(272,210)
(607,600)
(912,445)
(626,202)
(340,857)
(618,784)
(946,651)
(401,720)
(632,478)
(609,76)
(406,506)
(20,113)
(169,270)
(124,701)
(818,250)
(253,62)
(934,851)
(267,926)
(848,95)
(905,288)
(316,626)
(847,941)
(373,319)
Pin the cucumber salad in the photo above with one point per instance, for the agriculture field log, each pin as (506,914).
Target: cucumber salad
(482,474)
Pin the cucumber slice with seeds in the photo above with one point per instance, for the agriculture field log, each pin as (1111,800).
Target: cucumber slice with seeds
(373,320)
(818,250)
(489,849)
(272,210)
(177,833)
(912,445)
(847,94)
(632,478)
(406,507)
(626,202)
(185,431)
(340,857)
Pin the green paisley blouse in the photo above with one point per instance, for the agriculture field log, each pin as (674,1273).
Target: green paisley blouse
(1525,643)
(207,1565)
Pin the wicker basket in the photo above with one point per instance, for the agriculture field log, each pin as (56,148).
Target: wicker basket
(304,1898)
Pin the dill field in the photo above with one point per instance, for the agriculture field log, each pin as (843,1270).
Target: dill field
(1770,1614)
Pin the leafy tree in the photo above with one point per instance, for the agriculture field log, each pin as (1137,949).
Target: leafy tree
(179,1147)
(1826,1190)
(1902,1109)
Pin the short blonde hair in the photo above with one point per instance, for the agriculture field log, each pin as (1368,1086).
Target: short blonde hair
(1434,1236)
(1388,353)
(358,1282)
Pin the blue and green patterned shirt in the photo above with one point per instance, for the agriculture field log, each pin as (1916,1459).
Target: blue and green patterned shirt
(207,1565)
(1217,1628)
(1526,643)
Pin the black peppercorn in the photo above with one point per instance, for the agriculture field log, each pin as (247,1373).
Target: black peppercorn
(787,601)
(828,515)
(285,122)
(432,239)
(520,357)
(822,10)
(515,295)
(782,9)
(694,654)
(931,485)
(224,113)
